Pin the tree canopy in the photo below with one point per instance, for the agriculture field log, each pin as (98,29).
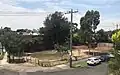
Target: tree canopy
(114,66)
(88,25)
(116,36)
(103,36)
(12,42)
(56,28)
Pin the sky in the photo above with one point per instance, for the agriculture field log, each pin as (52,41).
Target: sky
(30,14)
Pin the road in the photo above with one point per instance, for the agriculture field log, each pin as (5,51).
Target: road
(92,70)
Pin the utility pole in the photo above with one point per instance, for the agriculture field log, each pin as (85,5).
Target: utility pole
(71,26)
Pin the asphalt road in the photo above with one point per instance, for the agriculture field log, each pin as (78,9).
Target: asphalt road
(92,70)
(101,69)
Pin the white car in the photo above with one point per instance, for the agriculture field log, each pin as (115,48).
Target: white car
(93,61)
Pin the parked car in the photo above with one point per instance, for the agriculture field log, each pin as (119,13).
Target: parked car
(110,55)
(106,57)
(93,61)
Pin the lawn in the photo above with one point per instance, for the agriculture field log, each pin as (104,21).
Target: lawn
(81,64)
(49,55)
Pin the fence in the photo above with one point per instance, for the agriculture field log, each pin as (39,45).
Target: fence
(105,44)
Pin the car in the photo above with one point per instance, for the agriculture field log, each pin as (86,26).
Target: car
(104,58)
(93,61)
(110,55)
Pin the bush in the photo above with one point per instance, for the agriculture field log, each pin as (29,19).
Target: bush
(114,66)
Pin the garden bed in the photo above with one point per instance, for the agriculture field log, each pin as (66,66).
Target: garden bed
(49,55)
(48,58)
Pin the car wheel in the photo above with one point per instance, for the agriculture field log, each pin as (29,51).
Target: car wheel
(94,64)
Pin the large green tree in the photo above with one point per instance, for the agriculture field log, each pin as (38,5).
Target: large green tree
(88,25)
(56,29)
(13,43)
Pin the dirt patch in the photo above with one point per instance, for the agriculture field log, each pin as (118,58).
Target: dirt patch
(83,51)
(80,47)
(103,48)
(84,47)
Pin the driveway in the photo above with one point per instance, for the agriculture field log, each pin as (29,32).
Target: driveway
(101,69)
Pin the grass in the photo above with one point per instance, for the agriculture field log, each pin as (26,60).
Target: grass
(48,55)
(81,64)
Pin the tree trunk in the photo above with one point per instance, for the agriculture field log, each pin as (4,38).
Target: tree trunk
(89,49)
(12,58)
(94,45)
(2,50)
(8,58)
(93,52)
(19,56)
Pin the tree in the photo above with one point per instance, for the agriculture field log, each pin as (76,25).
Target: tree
(21,31)
(75,29)
(116,36)
(3,31)
(13,44)
(7,29)
(114,66)
(34,31)
(103,36)
(76,39)
(41,30)
(56,29)
(88,25)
